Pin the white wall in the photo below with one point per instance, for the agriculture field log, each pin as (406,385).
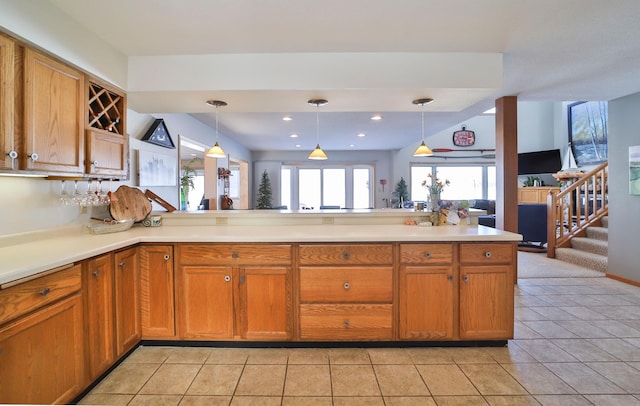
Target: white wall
(624,209)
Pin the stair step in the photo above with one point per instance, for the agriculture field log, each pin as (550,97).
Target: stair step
(598,233)
(591,245)
(583,258)
(605,222)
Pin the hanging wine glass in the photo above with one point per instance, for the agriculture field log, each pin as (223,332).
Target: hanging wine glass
(64,197)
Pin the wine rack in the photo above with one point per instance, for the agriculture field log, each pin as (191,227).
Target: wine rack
(106,109)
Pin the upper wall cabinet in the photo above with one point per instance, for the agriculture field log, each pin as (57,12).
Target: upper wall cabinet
(53,115)
(8,148)
(107,142)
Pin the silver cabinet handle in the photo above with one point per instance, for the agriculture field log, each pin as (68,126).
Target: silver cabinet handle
(45,291)
(449,277)
(167,257)
(13,154)
(487,254)
(427,254)
(346,286)
(227,278)
(121,264)
(96,272)
(465,278)
(346,324)
(345,255)
(34,156)
(235,255)
(95,163)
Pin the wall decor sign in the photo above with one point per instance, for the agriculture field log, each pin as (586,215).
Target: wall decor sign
(157,169)
(634,170)
(158,134)
(464,138)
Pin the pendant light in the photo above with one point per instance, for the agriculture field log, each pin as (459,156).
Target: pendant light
(317,154)
(423,150)
(216,151)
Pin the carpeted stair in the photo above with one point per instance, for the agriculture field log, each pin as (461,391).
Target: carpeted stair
(591,251)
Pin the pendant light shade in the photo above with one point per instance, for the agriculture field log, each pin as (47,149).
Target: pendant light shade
(317,154)
(216,151)
(423,150)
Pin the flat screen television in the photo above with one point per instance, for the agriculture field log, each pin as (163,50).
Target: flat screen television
(531,163)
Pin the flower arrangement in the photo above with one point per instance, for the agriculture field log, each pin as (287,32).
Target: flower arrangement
(434,184)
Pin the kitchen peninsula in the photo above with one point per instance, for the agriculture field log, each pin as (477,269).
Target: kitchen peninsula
(274,277)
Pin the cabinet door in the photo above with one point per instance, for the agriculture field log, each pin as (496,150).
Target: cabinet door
(127,285)
(41,355)
(426,302)
(486,302)
(107,154)
(53,115)
(206,298)
(265,303)
(157,291)
(99,327)
(8,147)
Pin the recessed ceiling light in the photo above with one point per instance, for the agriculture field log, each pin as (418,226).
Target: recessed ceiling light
(293,136)
(298,145)
(361,135)
(286,118)
(376,117)
(352,145)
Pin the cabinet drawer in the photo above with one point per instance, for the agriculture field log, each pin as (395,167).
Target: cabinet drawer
(345,322)
(25,297)
(346,284)
(235,254)
(426,253)
(491,253)
(346,254)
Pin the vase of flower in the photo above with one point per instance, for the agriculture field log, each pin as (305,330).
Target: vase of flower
(434,201)
(434,186)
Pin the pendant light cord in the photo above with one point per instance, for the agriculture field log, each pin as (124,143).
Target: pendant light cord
(422,122)
(318,124)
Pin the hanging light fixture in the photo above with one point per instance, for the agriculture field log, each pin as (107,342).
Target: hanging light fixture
(317,154)
(216,151)
(423,150)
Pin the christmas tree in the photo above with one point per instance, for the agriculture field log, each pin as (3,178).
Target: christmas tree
(264,192)
(401,189)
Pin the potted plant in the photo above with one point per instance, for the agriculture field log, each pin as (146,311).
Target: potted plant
(186,182)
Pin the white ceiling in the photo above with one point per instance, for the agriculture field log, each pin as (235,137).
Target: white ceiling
(267,58)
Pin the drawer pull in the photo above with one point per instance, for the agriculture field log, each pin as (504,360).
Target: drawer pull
(121,264)
(346,286)
(33,156)
(227,278)
(450,277)
(13,154)
(235,255)
(465,278)
(345,255)
(243,278)
(167,257)
(487,254)
(427,254)
(45,291)
(347,324)
(96,273)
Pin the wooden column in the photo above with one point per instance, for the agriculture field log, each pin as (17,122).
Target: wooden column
(507,164)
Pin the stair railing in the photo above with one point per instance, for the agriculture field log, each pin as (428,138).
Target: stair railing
(579,205)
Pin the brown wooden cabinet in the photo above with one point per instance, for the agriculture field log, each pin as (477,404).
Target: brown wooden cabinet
(426,292)
(157,304)
(127,300)
(346,291)
(486,290)
(42,350)
(8,142)
(535,195)
(106,138)
(235,291)
(97,284)
(53,115)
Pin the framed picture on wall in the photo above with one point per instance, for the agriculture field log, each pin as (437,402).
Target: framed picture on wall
(634,170)
(158,134)
(588,131)
(157,169)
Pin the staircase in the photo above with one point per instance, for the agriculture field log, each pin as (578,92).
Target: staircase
(577,220)
(590,251)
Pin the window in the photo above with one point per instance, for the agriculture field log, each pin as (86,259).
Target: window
(467,182)
(307,187)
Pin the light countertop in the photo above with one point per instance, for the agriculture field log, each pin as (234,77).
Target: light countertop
(27,255)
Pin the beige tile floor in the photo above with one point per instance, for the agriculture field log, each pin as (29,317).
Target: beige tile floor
(577,342)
